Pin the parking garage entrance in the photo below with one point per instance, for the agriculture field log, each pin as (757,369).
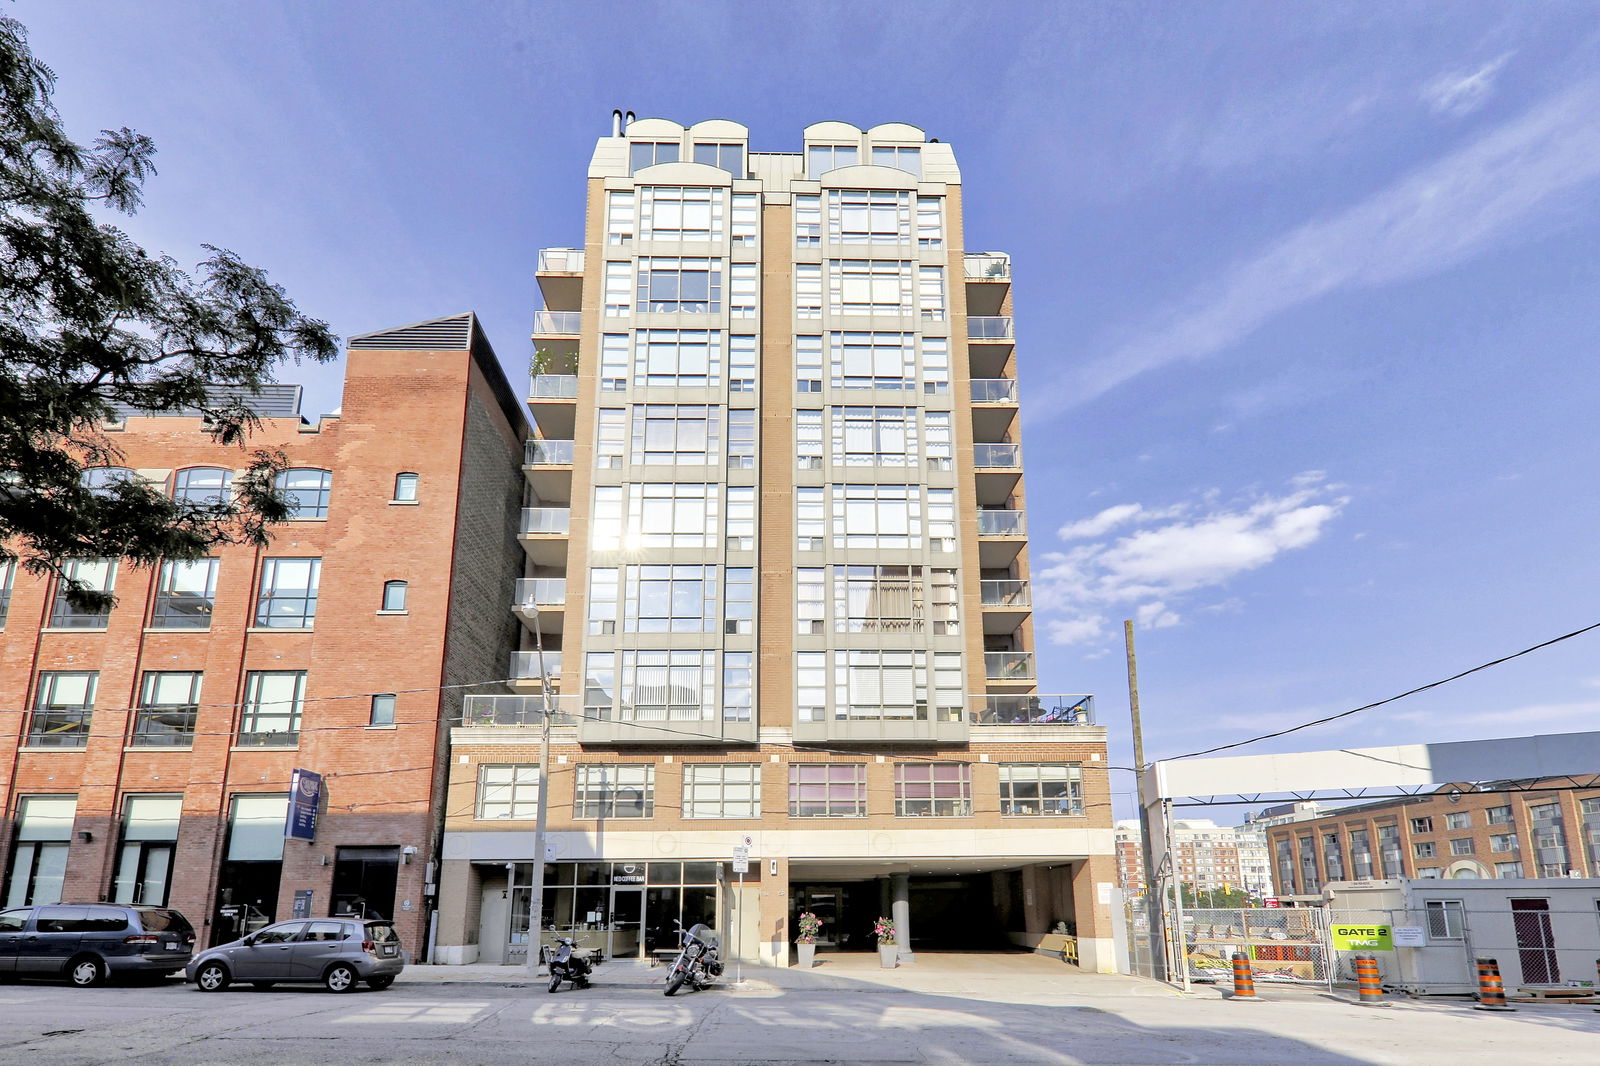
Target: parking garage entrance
(948,912)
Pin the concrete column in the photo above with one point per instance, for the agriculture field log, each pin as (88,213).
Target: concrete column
(1093,919)
(900,910)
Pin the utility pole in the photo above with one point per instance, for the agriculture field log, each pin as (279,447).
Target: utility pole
(536,895)
(1152,897)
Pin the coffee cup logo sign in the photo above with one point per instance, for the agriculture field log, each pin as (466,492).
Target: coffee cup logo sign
(627,873)
(1363,938)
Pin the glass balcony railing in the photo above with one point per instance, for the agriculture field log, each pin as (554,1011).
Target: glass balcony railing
(545,519)
(994,390)
(997,456)
(548,453)
(481,710)
(1034,709)
(1006,594)
(1008,665)
(988,266)
(555,387)
(540,592)
(525,665)
(564,322)
(1002,523)
(988,327)
(563,261)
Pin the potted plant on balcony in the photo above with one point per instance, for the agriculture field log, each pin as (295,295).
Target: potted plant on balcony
(888,951)
(806,942)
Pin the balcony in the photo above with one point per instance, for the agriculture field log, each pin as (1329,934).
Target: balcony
(560,324)
(1006,605)
(662,725)
(994,409)
(544,534)
(553,400)
(560,275)
(988,282)
(524,673)
(1008,667)
(555,337)
(997,456)
(987,266)
(940,726)
(999,469)
(1001,535)
(524,712)
(541,602)
(547,464)
(989,329)
(994,390)
(1034,709)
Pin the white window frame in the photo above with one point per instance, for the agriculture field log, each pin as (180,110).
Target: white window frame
(507,792)
(721,790)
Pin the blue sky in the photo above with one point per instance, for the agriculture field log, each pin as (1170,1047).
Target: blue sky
(1306,294)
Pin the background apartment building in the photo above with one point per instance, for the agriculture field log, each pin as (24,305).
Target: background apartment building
(777,566)
(148,752)
(1518,830)
(1208,857)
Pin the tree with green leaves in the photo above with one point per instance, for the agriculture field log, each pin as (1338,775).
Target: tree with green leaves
(90,323)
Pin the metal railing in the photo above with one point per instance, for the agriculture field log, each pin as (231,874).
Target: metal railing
(545,519)
(561,260)
(555,387)
(1035,709)
(1002,523)
(548,452)
(994,390)
(563,322)
(989,327)
(1008,665)
(540,592)
(997,456)
(525,665)
(988,266)
(1006,593)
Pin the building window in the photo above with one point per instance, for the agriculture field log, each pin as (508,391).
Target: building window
(870,287)
(63,706)
(807,290)
(874,436)
(1422,825)
(643,154)
(618,300)
(1041,788)
(889,599)
(666,434)
(808,440)
(1332,857)
(670,599)
(619,217)
(1503,842)
(1458,820)
(743,290)
(933,789)
(8,573)
(1309,879)
(1508,869)
(186,591)
(1544,812)
(930,293)
(869,216)
(930,225)
(742,363)
(204,486)
(686,358)
(738,610)
(1428,872)
(1589,806)
(1423,849)
(821,158)
(405,488)
(810,594)
(1461,846)
(1445,919)
(827,790)
(394,596)
(671,213)
(149,839)
(729,157)
(895,685)
(39,859)
(746,218)
(671,515)
(901,158)
(873,360)
(98,575)
(672,285)
(288,595)
(808,364)
(307,491)
(807,219)
(738,686)
(877,516)
(1499,815)
(102,481)
(621,791)
(508,791)
(614,362)
(652,686)
(1360,854)
(169,702)
(741,439)
(741,518)
(732,790)
(270,717)
(382,712)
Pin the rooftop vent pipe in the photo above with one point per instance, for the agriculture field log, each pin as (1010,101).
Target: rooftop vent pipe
(616,122)
(627,120)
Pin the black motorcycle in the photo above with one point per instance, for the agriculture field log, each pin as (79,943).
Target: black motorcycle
(566,964)
(697,962)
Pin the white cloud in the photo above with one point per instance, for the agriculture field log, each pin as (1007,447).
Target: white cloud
(1461,94)
(1432,219)
(1171,552)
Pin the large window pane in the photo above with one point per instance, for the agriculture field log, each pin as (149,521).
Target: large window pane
(288,596)
(169,702)
(63,706)
(99,575)
(308,491)
(186,592)
(272,704)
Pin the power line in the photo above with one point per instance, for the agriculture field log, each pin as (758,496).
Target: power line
(1391,699)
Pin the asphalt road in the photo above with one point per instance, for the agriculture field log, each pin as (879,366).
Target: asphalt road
(1087,1021)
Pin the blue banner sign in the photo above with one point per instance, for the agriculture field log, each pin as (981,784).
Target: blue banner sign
(305,796)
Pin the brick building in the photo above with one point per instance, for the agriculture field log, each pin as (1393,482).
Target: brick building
(777,572)
(146,754)
(1506,829)
(1209,857)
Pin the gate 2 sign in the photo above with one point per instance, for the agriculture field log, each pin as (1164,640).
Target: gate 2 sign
(1362,938)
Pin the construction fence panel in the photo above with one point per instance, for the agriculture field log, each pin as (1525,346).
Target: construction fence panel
(1139,960)
(1284,944)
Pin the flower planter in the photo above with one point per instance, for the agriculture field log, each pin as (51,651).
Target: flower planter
(808,955)
(887,954)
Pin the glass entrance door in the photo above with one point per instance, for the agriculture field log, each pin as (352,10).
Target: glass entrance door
(823,901)
(627,923)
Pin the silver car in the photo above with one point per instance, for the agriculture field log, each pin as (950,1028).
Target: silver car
(338,952)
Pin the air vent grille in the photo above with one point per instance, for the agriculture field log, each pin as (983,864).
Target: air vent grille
(452,334)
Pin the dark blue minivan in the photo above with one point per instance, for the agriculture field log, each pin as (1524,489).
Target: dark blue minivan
(89,942)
